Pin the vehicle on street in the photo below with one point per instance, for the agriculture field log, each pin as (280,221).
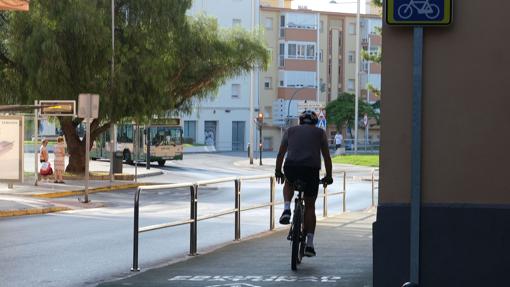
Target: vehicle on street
(162,136)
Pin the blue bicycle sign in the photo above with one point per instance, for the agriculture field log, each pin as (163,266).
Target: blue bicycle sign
(422,7)
(418,12)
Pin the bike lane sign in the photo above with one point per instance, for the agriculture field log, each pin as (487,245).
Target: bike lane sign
(419,12)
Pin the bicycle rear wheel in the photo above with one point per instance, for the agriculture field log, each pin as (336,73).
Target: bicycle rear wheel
(296,237)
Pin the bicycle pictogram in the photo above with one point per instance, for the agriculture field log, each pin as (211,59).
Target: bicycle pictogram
(422,7)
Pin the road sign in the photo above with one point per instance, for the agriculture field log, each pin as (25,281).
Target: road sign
(88,106)
(419,12)
(322,120)
(58,108)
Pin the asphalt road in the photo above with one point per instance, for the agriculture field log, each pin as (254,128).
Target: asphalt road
(85,247)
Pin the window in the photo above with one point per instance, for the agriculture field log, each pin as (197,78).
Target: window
(282,54)
(282,21)
(236,91)
(268,112)
(301,20)
(301,51)
(352,28)
(352,56)
(322,26)
(236,22)
(190,131)
(270,54)
(300,79)
(269,23)
(321,55)
(350,84)
(268,83)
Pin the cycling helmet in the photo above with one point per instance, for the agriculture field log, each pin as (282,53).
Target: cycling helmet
(308,117)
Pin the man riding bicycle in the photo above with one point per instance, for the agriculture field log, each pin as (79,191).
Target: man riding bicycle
(303,144)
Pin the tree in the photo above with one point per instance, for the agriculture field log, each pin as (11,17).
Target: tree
(341,111)
(163,59)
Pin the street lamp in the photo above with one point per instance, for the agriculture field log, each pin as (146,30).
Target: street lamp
(288,106)
(260,123)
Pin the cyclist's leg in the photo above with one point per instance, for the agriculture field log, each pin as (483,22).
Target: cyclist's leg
(310,218)
(312,190)
(288,193)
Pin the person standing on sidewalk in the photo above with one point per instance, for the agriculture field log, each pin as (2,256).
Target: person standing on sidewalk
(43,152)
(338,140)
(60,155)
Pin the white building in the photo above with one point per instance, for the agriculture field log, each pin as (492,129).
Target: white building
(224,121)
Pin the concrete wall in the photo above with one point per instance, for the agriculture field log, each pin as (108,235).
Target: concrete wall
(465,231)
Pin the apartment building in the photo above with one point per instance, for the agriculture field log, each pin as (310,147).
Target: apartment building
(313,61)
(223,120)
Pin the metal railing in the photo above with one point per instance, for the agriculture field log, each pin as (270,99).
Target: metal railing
(194,219)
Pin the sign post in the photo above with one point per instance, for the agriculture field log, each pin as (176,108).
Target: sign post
(88,110)
(417,14)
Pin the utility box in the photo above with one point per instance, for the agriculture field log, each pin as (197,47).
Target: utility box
(117,162)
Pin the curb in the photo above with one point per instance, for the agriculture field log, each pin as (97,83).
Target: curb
(92,190)
(33,211)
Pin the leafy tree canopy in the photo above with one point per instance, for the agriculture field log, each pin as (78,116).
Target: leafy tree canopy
(163,58)
(341,111)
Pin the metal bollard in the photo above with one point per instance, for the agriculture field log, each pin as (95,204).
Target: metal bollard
(237,214)
(271,200)
(135,231)
(193,216)
(344,207)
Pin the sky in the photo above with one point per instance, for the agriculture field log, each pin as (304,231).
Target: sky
(346,6)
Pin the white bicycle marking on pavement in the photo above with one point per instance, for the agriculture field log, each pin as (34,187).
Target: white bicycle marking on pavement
(264,278)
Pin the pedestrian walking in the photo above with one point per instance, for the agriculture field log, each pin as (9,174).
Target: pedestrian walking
(338,140)
(59,163)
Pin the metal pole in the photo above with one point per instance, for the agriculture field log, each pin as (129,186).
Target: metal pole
(36,135)
(325,203)
(260,144)
(148,153)
(193,216)
(344,207)
(135,231)
(87,145)
(416,155)
(237,214)
(135,151)
(113,135)
(252,92)
(373,187)
(357,89)
(271,200)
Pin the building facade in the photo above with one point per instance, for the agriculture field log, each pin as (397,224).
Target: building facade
(223,120)
(313,61)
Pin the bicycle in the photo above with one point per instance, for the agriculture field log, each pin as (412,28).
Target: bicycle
(431,11)
(296,233)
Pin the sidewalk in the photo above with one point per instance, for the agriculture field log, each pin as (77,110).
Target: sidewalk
(28,199)
(344,259)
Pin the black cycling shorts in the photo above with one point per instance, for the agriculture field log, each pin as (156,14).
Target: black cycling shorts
(309,175)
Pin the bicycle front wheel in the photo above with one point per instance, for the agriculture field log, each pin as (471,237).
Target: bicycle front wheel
(296,237)
(405,11)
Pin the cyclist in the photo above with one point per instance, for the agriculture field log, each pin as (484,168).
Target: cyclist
(303,144)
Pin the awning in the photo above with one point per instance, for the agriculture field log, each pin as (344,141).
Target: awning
(14,5)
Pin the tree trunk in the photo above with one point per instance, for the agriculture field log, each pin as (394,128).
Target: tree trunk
(76,146)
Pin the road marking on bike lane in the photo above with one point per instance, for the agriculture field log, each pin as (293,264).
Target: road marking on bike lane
(239,280)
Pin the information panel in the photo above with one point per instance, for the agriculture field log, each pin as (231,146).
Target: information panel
(11,149)
(419,12)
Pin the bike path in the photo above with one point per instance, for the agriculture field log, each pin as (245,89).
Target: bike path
(344,259)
